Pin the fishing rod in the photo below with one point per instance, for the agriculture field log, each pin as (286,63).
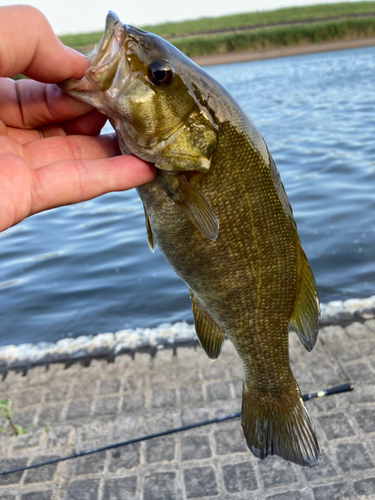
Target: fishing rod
(305,397)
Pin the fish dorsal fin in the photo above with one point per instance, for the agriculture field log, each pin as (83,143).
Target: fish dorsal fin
(306,310)
(209,334)
(196,207)
(150,238)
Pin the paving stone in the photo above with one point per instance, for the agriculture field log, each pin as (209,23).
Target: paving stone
(193,415)
(366,419)
(160,449)
(79,408)
(213,371)
(218,390)
(160,486)
(57,394)
(29,397)
(86,489)
(362,394)
(29,440)
(239,477)
(37,495)
(126,457)
(236,371)
(49,415)
(163,398)
(107,406)
(191,394)
(230,440)
(200,482)
(158,379)
(58,437)
(358,331)
(186,375)
(127,427)
(134,383)
(91,464)
(109,386)
(41,474)
(365,486)
(359,371)
(336,491)
(158,421)
(120,489)
(353,456)
(325,469)
(11,464)
(290,495)
(84,390)
(275,472)
(237,387)
(326,376)
(25,418)
(336,426)
(195,448)
(133,402)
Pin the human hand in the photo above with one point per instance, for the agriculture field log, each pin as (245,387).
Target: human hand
(50,151)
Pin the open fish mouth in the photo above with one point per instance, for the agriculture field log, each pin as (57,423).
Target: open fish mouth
(104,59)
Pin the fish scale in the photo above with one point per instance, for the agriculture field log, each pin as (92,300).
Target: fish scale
(219,213)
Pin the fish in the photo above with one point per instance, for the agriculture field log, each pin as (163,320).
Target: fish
(219,213)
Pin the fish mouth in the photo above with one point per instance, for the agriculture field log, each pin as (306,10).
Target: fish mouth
(104,59)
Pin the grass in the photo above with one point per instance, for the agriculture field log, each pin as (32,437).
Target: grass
(317,31)
(276,37)
(263,17)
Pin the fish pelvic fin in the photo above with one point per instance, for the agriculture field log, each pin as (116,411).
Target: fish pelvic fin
(306,310)
(150,238)
(210,336)
(279,426)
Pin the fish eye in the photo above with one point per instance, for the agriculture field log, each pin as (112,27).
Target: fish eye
(160,72)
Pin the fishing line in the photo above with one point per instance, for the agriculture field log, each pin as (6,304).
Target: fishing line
(306,397)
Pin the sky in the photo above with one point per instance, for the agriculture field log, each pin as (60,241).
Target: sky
(78,16)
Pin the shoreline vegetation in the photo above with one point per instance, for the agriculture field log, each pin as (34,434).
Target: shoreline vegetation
(256,35)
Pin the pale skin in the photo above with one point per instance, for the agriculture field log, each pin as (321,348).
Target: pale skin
(50,151)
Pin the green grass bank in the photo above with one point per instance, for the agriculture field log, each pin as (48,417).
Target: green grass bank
(255,30)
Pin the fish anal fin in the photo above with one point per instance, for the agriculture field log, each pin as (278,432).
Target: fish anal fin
(209,334)
(306,310)
(279,425)
(197,208)
(150,238)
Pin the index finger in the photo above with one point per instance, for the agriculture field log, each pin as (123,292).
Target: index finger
(38,53)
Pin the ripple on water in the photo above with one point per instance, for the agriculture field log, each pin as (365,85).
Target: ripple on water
(87,268)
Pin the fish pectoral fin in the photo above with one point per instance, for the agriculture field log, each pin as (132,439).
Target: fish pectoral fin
(150,238)
(306,310)
(196,207)
(209,334)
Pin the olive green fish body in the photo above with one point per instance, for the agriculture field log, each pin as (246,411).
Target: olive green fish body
(219,213)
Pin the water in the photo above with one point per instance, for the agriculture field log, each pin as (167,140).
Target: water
(87,269)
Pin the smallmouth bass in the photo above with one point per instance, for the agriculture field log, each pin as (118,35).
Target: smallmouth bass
(219,213)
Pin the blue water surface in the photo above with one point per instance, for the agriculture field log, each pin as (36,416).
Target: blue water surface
(87,269)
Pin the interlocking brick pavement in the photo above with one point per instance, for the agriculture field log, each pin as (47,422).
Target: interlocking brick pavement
(66,410)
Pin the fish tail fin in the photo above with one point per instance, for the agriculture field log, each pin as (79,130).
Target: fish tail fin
(279,425)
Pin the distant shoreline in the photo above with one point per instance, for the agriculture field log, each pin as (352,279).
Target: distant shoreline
(283,51)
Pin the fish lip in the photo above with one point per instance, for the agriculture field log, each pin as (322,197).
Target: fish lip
(100,48)
(104,59)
